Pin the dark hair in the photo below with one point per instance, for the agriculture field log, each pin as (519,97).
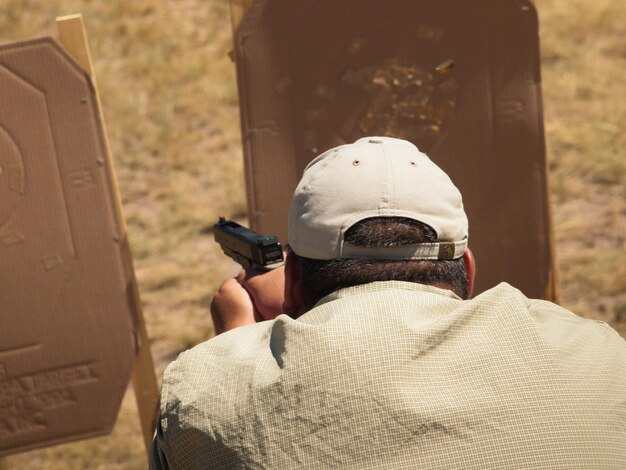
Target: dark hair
(322,277)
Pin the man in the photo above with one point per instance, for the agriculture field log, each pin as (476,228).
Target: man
(379,360)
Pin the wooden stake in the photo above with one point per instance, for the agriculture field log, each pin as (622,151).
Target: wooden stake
(238,9)
(73,36)
(553,288)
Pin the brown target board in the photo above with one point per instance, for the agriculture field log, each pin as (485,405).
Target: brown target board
(460,79)
(67,322)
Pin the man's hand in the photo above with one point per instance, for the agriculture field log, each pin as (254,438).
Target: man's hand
(248,298)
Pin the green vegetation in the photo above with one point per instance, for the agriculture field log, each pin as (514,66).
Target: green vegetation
(170,100)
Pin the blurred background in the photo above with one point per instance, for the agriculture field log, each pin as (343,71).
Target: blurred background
(169,95)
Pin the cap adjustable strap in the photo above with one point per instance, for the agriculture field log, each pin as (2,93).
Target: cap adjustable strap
(419,251)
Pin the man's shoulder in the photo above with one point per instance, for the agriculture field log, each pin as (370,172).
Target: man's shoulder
(553,325)
(240,348)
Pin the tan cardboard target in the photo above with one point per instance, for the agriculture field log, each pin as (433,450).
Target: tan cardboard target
(461,80)
(67,317)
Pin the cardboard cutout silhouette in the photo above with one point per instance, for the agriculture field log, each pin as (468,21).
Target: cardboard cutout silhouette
(67,334)
(459,79)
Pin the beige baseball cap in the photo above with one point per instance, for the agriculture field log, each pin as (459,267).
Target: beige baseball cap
(375,177)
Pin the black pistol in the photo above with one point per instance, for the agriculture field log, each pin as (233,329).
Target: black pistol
(248,248)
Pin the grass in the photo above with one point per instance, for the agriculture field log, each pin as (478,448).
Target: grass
(583,56)
(169,94)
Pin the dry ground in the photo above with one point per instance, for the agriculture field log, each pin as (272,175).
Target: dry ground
(170,99)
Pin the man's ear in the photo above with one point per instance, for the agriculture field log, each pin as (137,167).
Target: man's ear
(293,305)
(470,270)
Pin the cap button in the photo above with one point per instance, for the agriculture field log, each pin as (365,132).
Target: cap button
(375,141)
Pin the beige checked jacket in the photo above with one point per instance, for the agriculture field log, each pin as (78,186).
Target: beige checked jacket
(395,375)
